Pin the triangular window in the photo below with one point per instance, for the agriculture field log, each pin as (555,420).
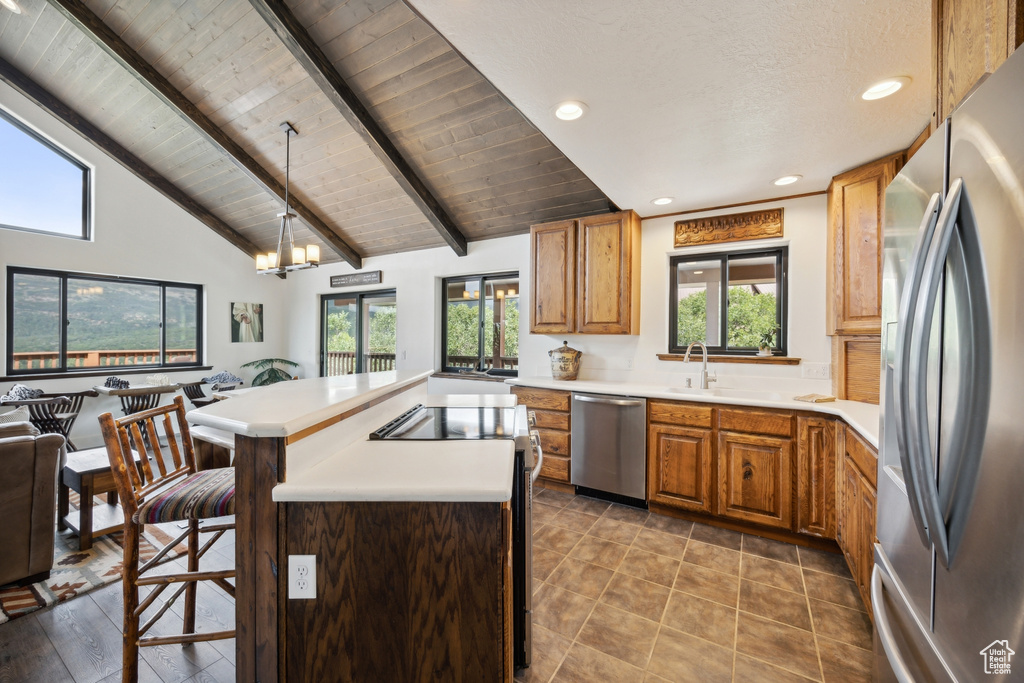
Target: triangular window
(42,187)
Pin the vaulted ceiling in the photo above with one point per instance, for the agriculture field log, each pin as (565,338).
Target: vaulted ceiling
(401,143)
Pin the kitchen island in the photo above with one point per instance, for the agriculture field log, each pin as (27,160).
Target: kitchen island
(412,540)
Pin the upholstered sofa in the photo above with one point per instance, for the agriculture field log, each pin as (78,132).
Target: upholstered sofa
(29,466)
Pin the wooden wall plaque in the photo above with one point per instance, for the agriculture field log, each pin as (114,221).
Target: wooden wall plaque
(734,227)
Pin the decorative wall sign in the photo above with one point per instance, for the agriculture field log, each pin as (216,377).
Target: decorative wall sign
(734,227)
(370,277)
(246,322)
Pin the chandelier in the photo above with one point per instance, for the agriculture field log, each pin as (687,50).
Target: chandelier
(301,258)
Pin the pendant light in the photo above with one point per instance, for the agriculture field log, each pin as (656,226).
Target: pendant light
(300,257)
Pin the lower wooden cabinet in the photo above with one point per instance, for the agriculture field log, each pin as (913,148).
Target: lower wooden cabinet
(551,408)
(857,509)
(755,479)
(816,476)
(679,472)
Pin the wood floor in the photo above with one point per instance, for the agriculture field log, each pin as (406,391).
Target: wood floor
(620,595)
(79,640)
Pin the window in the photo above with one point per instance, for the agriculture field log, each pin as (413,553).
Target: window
(63,322)
(357,332)
(480,324)
(47,190)
(728,301)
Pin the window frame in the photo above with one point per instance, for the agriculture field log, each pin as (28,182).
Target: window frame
(86,232)
(62,345)
(481,280)
(357,324)
(781,254)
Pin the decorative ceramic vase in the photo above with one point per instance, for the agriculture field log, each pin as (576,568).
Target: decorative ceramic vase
(565,362)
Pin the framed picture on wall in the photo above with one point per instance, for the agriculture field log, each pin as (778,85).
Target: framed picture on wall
(246,322)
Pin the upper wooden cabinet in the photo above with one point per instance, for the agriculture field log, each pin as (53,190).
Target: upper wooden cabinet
(854,254)
(974,38)
(585,275)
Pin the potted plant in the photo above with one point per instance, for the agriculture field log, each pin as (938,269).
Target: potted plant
(767,341)
(270,374)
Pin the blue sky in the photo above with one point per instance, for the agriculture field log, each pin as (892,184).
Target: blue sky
(39,189)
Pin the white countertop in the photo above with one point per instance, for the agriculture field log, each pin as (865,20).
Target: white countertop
(861,416)
(286,408)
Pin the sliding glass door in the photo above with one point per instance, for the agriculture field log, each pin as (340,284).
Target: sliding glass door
(357,332)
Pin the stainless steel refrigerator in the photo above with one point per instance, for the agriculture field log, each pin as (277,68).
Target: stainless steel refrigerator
(948,584)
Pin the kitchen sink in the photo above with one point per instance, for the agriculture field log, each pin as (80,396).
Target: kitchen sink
(726,392)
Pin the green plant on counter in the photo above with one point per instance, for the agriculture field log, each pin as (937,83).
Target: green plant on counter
(270,374)
(767,339)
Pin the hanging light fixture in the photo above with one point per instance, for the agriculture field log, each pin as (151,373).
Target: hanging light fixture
(301,257)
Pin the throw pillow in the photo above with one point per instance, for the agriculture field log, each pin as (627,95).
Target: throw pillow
(17,415)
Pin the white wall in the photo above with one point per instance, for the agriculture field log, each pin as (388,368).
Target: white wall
(138,232)
(416,278)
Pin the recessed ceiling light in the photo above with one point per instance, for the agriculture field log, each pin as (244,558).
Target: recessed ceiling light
(11,5)
(786,180)
(662,201)
(570,111)
(885,88)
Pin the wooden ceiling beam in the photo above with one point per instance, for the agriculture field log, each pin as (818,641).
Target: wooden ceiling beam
(45,100)
(308,53)
(92,26)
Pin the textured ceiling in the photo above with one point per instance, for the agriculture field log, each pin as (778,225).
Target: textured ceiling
(703,100)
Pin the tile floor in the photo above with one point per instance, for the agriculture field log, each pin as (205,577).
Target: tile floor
(625,595)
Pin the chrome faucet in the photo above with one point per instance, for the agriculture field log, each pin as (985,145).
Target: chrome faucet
(704,379)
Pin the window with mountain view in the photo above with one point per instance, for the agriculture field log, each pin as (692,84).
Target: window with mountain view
(730,301)
(65,322)
(47,190)
(480,324)
(358,332)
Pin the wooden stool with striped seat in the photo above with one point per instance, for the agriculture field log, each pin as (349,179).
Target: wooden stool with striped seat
(165,487)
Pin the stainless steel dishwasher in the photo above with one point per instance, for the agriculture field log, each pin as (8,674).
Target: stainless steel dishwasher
(609,444)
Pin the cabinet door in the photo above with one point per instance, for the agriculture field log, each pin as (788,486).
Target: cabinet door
(607,274)
(849,515)
(679,467)
(866,542)
(552,277)
(855,200)
(816,476)
(755,479)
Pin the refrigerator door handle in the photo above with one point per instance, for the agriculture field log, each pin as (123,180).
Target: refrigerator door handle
(901,365)
(892,650)
(970,416)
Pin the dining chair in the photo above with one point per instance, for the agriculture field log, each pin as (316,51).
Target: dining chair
(54,413)
(165,487)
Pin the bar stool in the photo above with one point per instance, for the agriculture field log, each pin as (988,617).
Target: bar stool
(166,487)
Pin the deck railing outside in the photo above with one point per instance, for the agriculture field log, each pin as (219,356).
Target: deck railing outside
(344,362)
(100,358)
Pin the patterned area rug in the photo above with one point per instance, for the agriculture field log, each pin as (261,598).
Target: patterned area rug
(76,572)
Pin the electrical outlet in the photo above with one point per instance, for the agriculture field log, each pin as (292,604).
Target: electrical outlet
(302,577)
(814,370)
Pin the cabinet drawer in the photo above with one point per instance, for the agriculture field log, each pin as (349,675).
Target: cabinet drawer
(547,399)
(863,456)
(554,442)
(552,419)
(676,413)
(555,467)
(755,421)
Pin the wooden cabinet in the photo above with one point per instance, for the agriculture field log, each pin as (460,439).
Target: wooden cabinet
(815,476)
(585,275)
(856,524)
(554,424)
(681,470)
(755,466)
(973,38)
(855,203)
(856,200)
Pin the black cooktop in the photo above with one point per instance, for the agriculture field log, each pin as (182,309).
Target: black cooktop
(453,422)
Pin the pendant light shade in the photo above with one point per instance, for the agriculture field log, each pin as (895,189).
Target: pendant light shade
(301,257)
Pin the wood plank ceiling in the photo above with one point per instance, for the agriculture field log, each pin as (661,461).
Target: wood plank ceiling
(189,94)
